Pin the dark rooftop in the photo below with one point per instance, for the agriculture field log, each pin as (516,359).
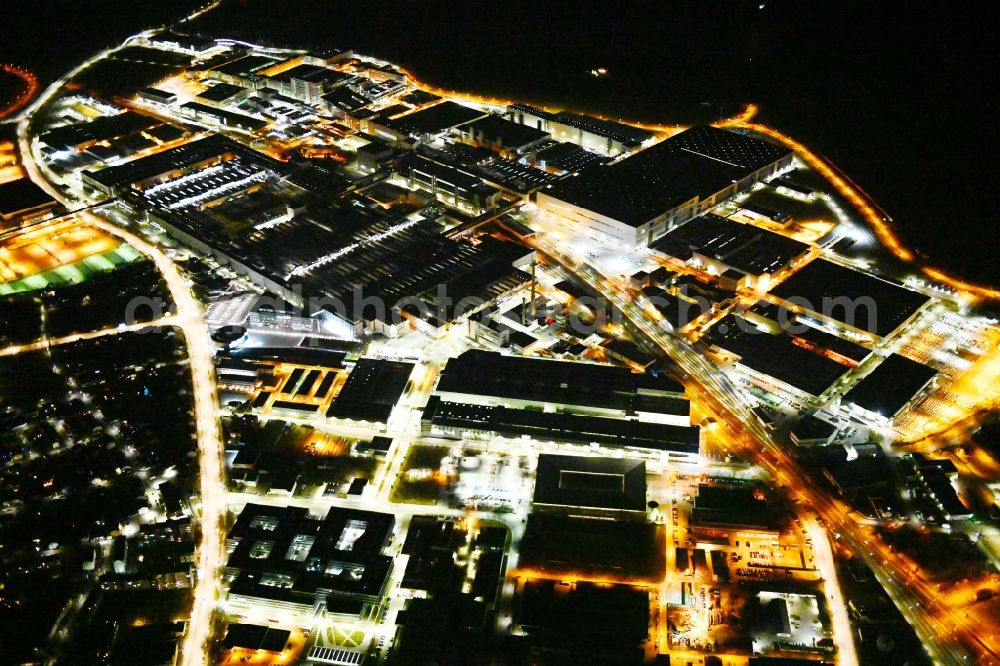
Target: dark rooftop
(185,155)
(596,483)
(157,94)
(568,156)
(346,99)
(813,427)
(227,117)
(694,164)
(220,92)
(244,66)
(313,73)
(563,427)
(425,170)
(892,384)
(733,506)
(22,195)
(505,132)
(256,637)
(818,339)
(776,355)
(747,248)
(585,623)
(165,133)
(820,281)
(418,97)
(478,372)
(435,119)
(98,129)
(371,391)
(627,135)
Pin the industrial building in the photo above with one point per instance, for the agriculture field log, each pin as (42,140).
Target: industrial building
(371,391)
(613,487)
(491,378)
(638,199)
(812,431)
(804,332)
(23,202)
(433,121)
(451,185)
(503,136)
(775,361)
(725,511)
(254,637)
(191,44)
(80,136)
(202,113)
(659,441)
(606,137)
(158,96)
(247,210)
(173,163)
(284,560)
(241,71)
(889,389)
(742,255)
(306,83)
(221,94)
(831,294)
(936,477)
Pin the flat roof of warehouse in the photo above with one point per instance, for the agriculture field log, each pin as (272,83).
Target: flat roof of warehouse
(178,157)
(559,426)
(628,135)
(748,248)
(220,92)
(727,506)
(256,637)
(20,195)
(777,356)
(435,118)
(478,372)
(511,134)
(892,384)
(244,66)
(821,284)
(227,117)
(371,391)
(693,164)
(600,483)
(98,129)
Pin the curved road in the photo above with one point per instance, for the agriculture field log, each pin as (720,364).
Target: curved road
(941,628)
(200,353)
(23,97)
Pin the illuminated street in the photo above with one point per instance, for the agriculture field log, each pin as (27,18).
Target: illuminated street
(307,360)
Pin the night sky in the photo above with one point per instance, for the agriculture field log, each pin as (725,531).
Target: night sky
(901,95)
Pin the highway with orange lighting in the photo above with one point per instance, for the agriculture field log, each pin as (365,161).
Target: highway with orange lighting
(189,319)
(877,218)
(25,95)
(951,635)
